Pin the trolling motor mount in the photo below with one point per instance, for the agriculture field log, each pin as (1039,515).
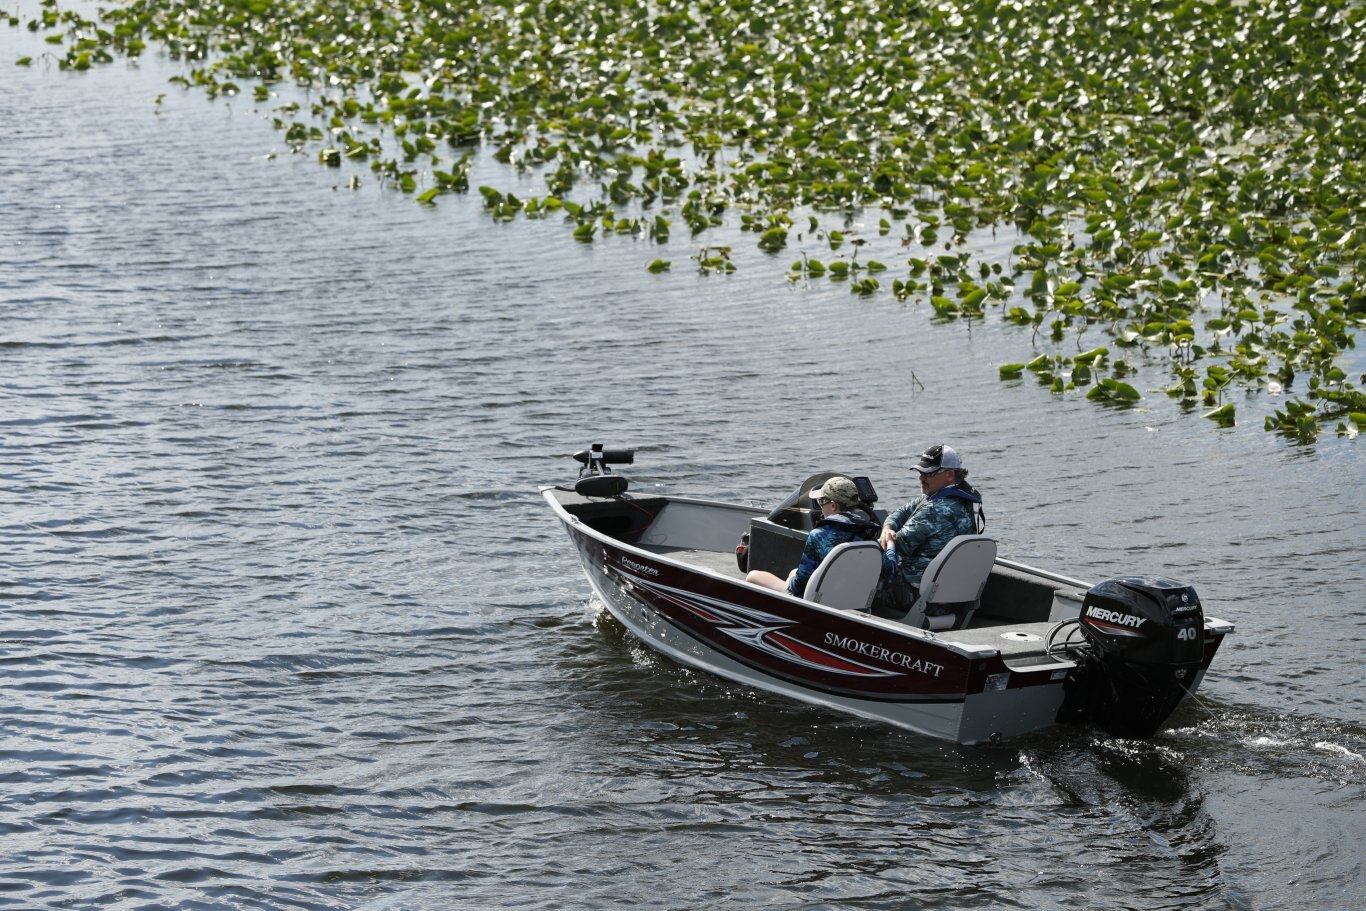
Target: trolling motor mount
(595,477)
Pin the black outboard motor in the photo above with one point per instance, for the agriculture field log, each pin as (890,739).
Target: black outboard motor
(1147,640)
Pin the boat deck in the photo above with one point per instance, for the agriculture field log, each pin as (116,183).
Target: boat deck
(723,563)
(1021,644)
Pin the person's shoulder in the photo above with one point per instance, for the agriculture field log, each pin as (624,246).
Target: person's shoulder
(849,518)
(823,531)
(948,504)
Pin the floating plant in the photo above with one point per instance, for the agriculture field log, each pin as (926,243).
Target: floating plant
(1184,178)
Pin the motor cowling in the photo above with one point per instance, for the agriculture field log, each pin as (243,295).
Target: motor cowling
(1147,642)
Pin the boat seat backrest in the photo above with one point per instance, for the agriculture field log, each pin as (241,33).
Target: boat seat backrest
(847,577)
(956,576)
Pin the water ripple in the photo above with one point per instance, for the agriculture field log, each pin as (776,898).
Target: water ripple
(286,625)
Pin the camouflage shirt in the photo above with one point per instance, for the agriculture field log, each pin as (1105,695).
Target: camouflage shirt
(924,526)
(825,537)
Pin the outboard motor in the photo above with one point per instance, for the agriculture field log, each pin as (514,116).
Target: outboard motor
(1147,639)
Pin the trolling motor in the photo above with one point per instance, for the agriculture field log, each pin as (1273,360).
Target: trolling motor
(595,477)
(1147,642)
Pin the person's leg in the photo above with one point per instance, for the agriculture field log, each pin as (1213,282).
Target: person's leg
(766,579)
(895,600)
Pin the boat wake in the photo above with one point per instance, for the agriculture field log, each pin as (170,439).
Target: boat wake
(1275,744)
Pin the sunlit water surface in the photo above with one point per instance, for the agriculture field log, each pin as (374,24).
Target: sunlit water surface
(286,625)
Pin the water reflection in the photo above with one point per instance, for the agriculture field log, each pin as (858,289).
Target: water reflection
(930,820)
(1135,813)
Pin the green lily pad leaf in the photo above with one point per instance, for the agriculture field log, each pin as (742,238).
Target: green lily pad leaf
(1012,371)
(1114,391)
(1224,416)
(1038,285)
(973,299)
(1121,390)
(773,239)
(1087,357)
(659,265)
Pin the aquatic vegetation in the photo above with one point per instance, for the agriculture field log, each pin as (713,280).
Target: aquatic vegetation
(1185,178)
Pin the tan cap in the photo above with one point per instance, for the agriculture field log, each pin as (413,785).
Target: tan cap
(841,490)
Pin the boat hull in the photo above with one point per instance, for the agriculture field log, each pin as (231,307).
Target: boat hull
(964,686)
(852,663)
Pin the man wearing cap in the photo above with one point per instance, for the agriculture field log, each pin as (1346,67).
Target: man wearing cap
(916,533)
(842,519)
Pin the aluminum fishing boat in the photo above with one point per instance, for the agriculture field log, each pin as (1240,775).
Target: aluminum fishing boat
(993,649)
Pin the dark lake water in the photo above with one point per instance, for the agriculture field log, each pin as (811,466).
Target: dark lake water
(286,625)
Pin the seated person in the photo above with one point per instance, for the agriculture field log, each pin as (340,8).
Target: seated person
(843,518)
(916,533)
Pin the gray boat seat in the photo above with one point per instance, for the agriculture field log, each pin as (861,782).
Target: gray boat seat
(847,577)
(951,587)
